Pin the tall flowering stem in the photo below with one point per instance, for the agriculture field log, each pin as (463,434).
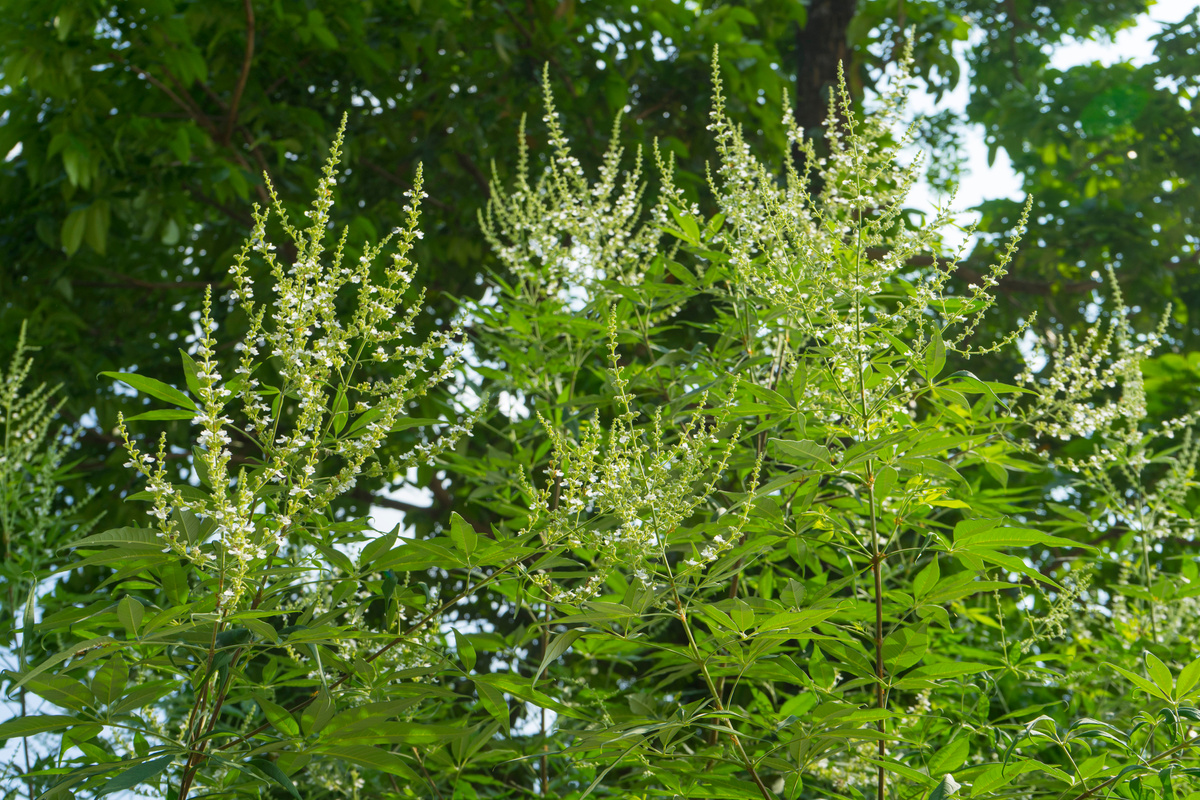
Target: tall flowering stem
(342,384)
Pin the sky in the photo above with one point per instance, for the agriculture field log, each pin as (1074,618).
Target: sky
(984,182)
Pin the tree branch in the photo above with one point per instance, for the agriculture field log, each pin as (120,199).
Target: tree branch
(231,117)
(466,163)
(192,113)
(401,183)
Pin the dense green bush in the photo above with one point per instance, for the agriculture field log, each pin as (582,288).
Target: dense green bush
(794,549)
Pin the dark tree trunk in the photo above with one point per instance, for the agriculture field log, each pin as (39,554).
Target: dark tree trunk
(820,46)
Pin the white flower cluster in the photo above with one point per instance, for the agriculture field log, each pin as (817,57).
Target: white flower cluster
(1094,390)
(621,494)
(839,263)
(562,234)
(29,459)
(1074,397)
(319,425)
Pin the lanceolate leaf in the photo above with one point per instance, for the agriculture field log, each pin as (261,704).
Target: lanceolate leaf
(28,726)
(153,388)
(272,771)
(118,536)
(138,773)
(371,758)
(1013,537)
(556,647)
(1141,683)
(948,787)
(1189,676)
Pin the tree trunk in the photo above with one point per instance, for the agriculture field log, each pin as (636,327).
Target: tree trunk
(820,46)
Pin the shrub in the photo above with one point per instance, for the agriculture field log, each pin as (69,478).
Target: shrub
(757,520)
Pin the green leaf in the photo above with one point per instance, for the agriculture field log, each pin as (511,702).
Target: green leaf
(372,758)
(1159,673)
(948,787)
(998,775)
(153,388)
(466,651)
(898,768)
(272,771)
(73,228)
(318,713)
(792,621)
(136,774)
(970,383)
(556,647)
(463,534)
(119,536)
(191,372)
(493,700)
(926,579)
(923,677)
(162,415)
(885,481)
(130,612)
(1164,777)
(687,224)
(279,717)
(1142,683)
(931,468)
(804,450)
(949,757)
(21,727)
(341,411)
(92,644)
(935,355)
(378,545)
(904,647)
(718,616)
(96,231)
(1188,677)
(200,464)
(1012,537)
(108,685)
(62,690)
